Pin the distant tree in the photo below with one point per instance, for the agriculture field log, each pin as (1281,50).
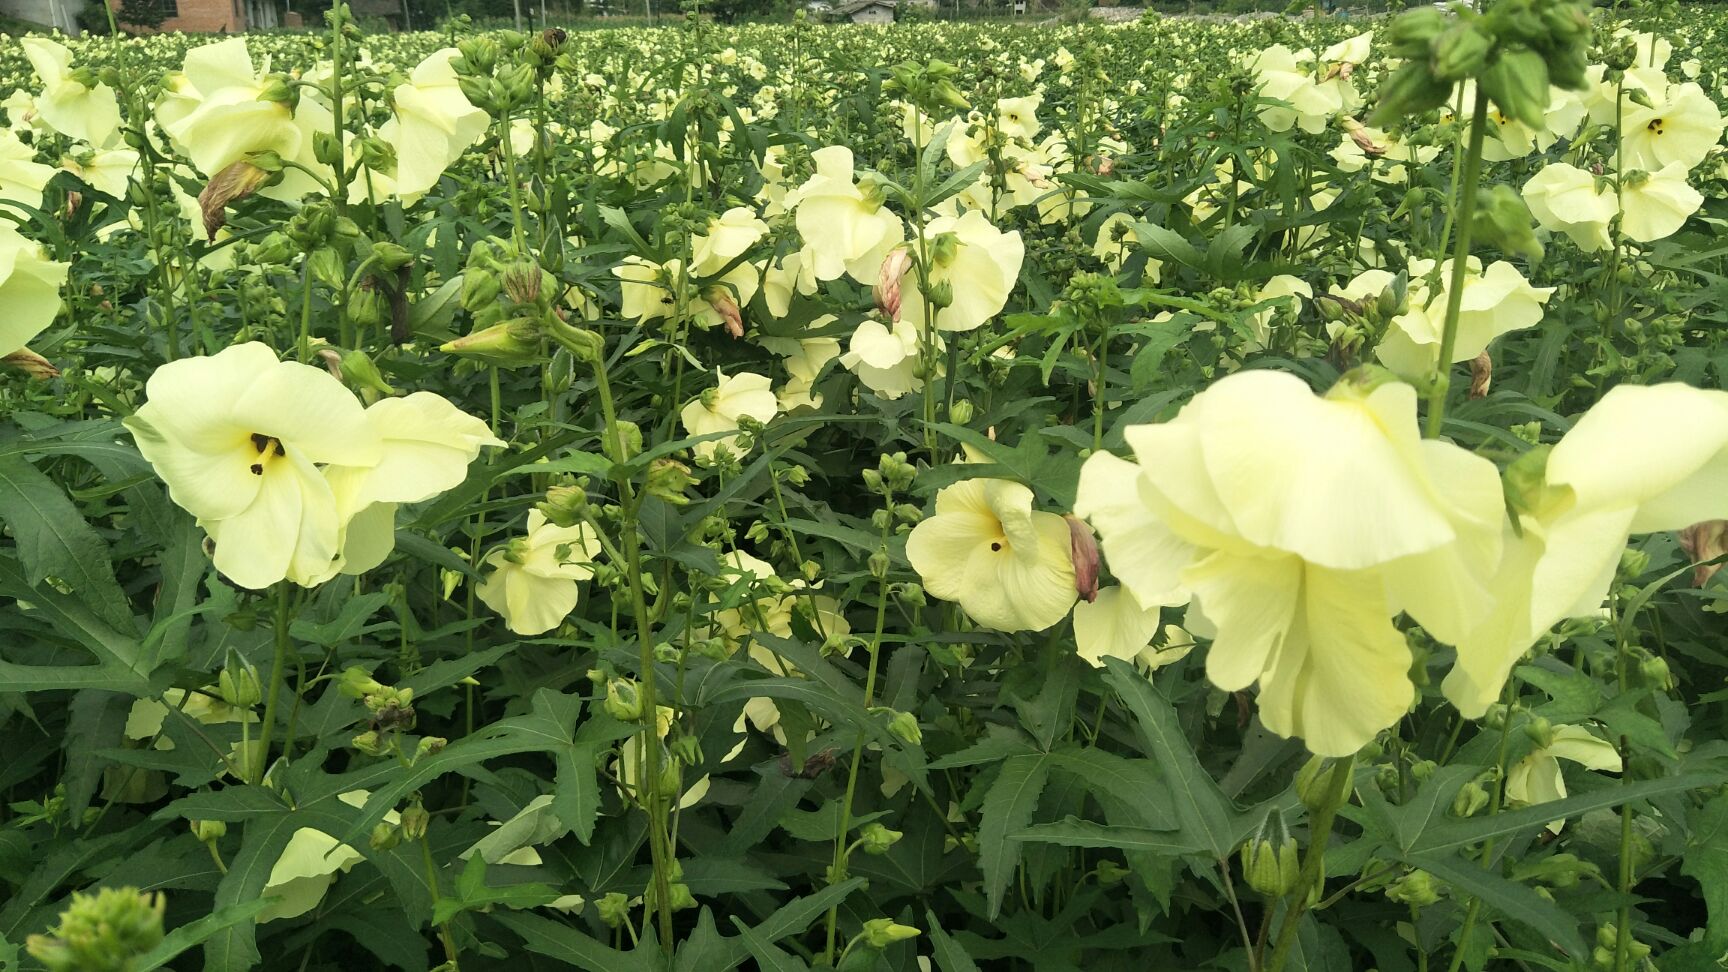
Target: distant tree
(140,14)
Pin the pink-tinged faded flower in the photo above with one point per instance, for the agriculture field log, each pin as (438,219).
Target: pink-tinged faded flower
(1704,542)
(1083,550)
(894,269)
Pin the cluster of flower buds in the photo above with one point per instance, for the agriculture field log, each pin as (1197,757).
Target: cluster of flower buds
(1514,51)
(1270,863)
(491,74)
(102,932)
(390,712)
(928,86)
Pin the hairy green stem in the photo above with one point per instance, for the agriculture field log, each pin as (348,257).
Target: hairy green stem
(1313,871)
(1466,208)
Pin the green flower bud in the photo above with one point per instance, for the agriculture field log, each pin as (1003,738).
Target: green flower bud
(208,831)
(429,746)
(415,820)
(623,700)
(1110,873)
(627,435)
(370,743)
(1269,859)
(904,726)
(879,564)
(357,683)
(238,682)
(366,306)
(326,267)
(911,595)
(876,839)
(101,932)
(1311,782)
(1417,888)
(960,412)
(385,836)
(882,932)
(1410,35)
(1503,220)
(1471,799)
(668,479)
(391,256)
(1541,733)
(687,750)
(1517,83)
(509,344)
(1461,51)
(614,909)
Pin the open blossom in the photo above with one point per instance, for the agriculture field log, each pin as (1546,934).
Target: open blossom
(1007,564)
(1115,625)
(310,864)
(727,237)
(979,264)
(1298,527)
(284,468)
(432,125)
(1681,124)
(80,111)
(721,408)
(1644,459)
(1537,778)
(1496,300)
(1307,102)
(1654,205)
(29,289)
(845,231)
(534,580)
(218,111)
(885,357)
(1566,199)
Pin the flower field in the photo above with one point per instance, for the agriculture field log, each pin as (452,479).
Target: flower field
(1239,495)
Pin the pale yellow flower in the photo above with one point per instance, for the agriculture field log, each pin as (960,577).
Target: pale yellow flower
(722,407)
(1300,526)
(29,289)
(1006,564)
(534,580)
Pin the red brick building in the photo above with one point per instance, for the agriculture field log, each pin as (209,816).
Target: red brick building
(215,16)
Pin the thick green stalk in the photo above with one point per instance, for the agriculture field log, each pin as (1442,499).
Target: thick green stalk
(1466,208)
(278,667)
(648,780)
(1313,860)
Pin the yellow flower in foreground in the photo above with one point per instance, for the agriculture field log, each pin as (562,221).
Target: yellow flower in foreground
(1116,626)
(80,111)
(1300,526)
(534,580)
(426,444)
(29,289)
(1537,779)
(239,437)
(720,408)
(21,176)
(1007,565)
(1643,459)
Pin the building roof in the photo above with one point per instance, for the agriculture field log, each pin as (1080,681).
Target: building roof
(847,9)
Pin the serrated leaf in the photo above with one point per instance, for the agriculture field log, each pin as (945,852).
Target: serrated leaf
(193,934)
(1008,808)
(1508,898)
(1073,832)
(566,944)
(1455,835)
(54,541)
(1206,816)
(949,956)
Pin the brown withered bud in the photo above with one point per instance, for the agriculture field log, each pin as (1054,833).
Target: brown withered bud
(1101,164)
(1481,375)
(1083,549)
(74,199)
(31,363)
(1705,542)
(888,281)
(1359,134)
(332,359)
(814,766)
(236,182)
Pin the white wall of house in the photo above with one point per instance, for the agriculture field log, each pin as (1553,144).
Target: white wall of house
(875,14)
(52,13)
